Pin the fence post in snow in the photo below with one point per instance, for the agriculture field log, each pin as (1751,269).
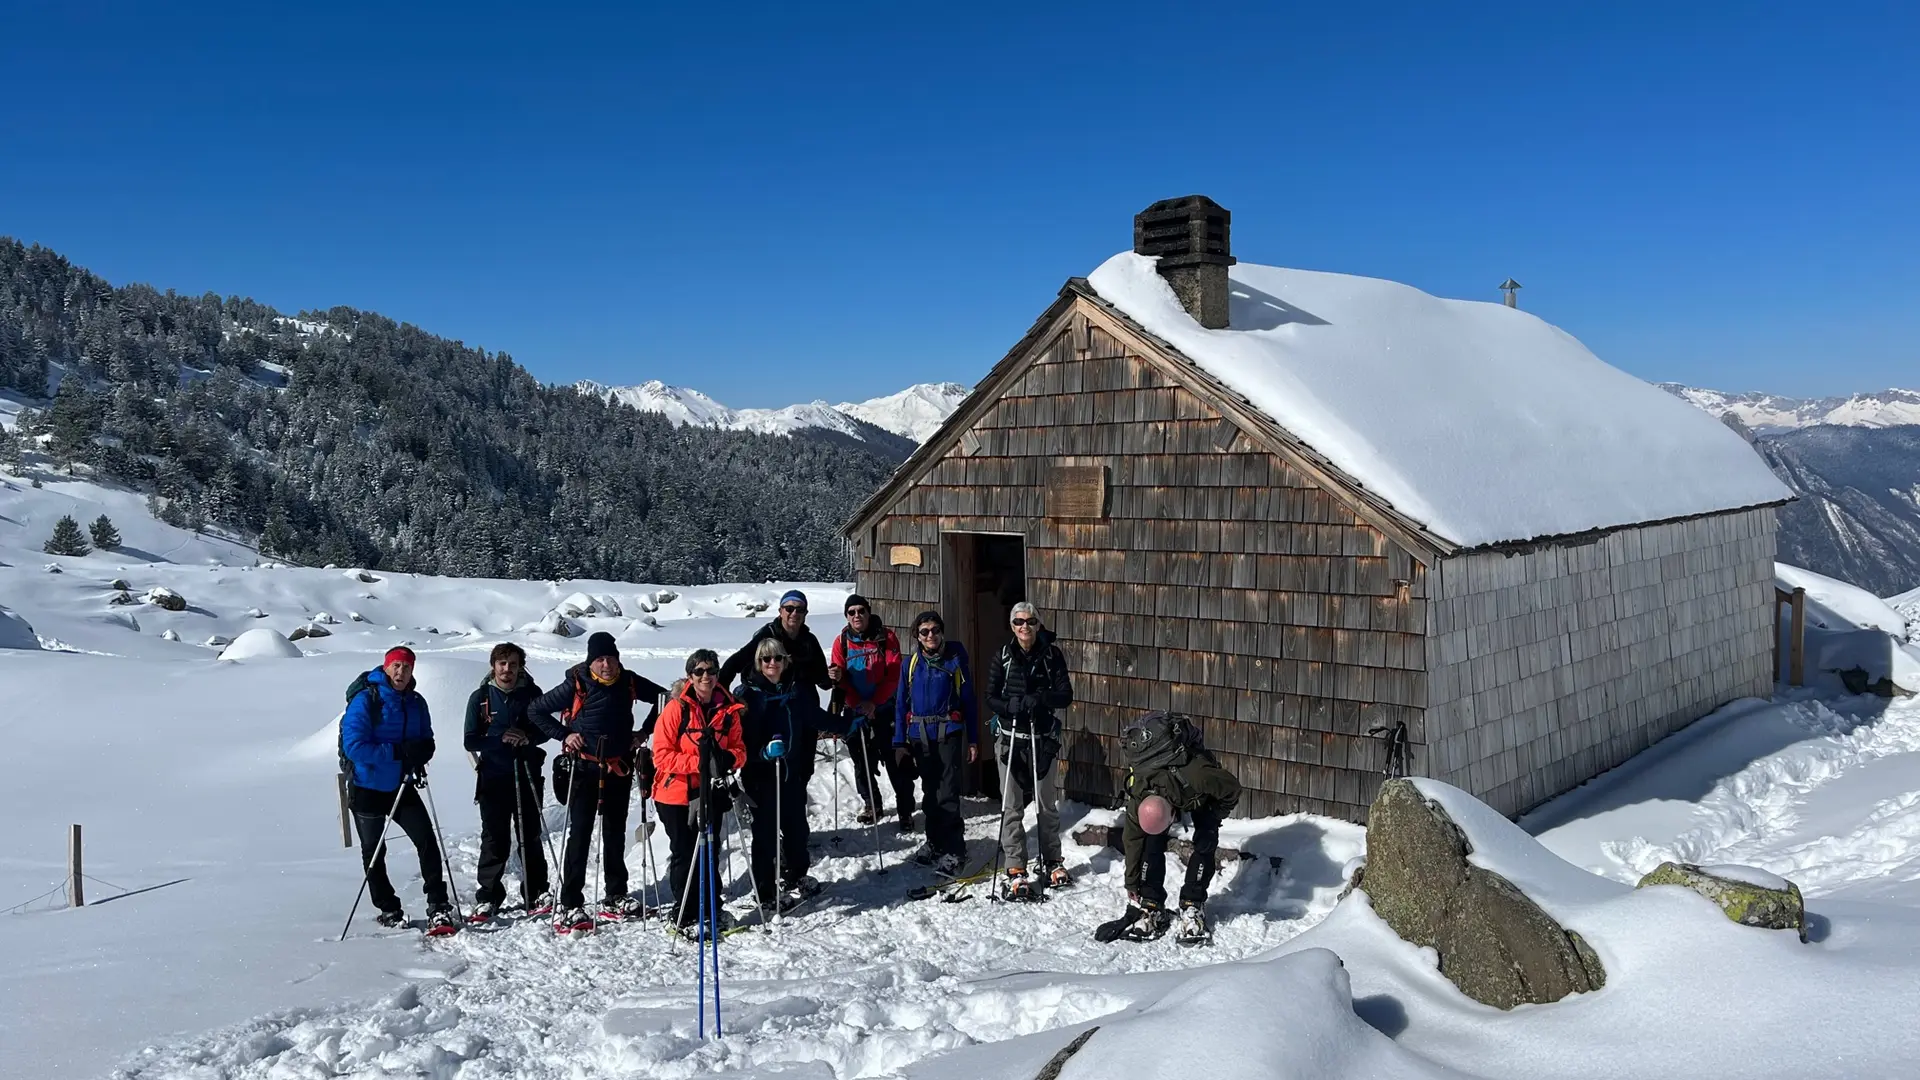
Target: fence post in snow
(346,819)
(76,892)
(1797,641)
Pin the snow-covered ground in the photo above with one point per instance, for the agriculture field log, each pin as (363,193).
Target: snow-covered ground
(210,783)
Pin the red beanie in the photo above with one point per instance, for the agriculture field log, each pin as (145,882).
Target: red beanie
(398,652)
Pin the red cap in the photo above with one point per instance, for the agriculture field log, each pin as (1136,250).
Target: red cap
(398,652)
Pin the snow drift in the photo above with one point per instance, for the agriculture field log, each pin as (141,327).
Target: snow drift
(261,643)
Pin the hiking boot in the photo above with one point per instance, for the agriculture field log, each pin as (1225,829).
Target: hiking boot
(1057,876)
(541,905)
(573,919)
(925,856)
(442,920)
(1145,923)
(632,907)
(394,917)
(948,865)
(866,816)
(692,930)
(1193,928)
(1016,886)
(483,912)
(804,886)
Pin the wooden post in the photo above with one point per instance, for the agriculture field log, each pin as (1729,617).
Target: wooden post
(1797,643)
(346,816)
(76,892)
(1776,634)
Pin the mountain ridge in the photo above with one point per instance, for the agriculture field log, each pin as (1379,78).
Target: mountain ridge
(911,414)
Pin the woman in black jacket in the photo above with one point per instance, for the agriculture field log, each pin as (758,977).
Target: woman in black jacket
(781,728)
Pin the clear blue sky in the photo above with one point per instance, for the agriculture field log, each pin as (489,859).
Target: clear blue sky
(813,201)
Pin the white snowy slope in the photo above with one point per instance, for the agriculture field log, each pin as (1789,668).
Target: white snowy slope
(913,413)
(916,412)
(1765,413)
(1480,421)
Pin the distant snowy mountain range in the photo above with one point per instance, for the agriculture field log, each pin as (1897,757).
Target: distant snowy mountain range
(1767,414)
(912,414)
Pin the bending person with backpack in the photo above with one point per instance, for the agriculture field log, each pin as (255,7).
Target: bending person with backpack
(386,738)
(591,712)
(1169,772)
(1025,688)
(509,788)
(936,729)
(701,715)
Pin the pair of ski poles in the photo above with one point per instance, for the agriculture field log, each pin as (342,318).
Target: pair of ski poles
(419,782)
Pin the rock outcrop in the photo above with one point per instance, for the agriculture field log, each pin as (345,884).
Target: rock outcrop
(1495,944)
(1750,897)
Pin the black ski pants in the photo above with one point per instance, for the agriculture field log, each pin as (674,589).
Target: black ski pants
(1147,859)
(500,831)
(872,752)
(939,762)
(678,823)
(595,792)
(780,830)
(370,810)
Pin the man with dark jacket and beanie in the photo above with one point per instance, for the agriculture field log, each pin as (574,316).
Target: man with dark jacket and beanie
(789,628)
(864,665)
(591,712)
(510,789)
(936,729)
(1026,687)
(387,736)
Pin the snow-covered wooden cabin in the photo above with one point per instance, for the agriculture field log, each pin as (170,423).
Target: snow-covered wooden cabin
(1317,510)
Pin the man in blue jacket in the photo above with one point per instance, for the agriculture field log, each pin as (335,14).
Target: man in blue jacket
(509,788)
(387,736)
(936,728)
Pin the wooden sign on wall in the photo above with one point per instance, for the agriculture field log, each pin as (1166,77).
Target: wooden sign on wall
(903,555)
(1077,491)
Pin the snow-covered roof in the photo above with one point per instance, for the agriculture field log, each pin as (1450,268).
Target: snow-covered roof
(1481,422)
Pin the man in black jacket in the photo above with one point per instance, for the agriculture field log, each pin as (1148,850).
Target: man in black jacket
(591,712)
(1026,687)
(789,629)
(510,789)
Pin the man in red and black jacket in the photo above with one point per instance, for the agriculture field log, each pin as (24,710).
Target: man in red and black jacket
(591,712)
(864,667)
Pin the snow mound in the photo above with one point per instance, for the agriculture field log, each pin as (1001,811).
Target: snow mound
(580,605)
(260,643)
(1521,432)
(16,633)
(170,635)
(553,622)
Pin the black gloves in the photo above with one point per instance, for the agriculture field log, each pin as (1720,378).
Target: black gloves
(903,756)
(643,769)
(1032,704)
(414,754)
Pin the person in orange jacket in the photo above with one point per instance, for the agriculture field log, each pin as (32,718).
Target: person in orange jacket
(700,709)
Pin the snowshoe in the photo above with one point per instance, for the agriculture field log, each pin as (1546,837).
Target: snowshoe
(1193,928)
(483,913)
(442,921)
(1140,923)
(1057,876)
(866,816)
(541,905)
(574,921)
(947,865)
(925,856)
(1016,887)
(396,917)
(693,931)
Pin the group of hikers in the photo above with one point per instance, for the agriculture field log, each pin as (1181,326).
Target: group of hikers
(745,732)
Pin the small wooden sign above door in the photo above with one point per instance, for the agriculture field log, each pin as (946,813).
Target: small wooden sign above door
(1077,491)
(903,555)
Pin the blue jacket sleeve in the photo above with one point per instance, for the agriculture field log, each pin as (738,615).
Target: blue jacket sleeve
(969,701)
(356,734)
(555,700)
(902,708)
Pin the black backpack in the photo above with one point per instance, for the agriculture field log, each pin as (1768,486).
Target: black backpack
(1160,740)
(354,690)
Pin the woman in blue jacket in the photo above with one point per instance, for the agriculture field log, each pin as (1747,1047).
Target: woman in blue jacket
(387,736)
(936,728)
(781,728)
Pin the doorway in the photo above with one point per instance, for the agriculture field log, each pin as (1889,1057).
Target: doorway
(985,574)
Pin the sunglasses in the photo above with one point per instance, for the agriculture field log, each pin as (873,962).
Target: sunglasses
(774,660)
(1026,622)
(791,610)
(856,612)
(702,672)
(928,631)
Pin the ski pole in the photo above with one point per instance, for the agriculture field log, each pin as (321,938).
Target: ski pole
(740,828)
(594,829)
(647,889)
(701,856)
(1006,774)
(873,790)
(1039,803)
(779,832)
(713,911)
(540,815)
(445,855)
(366,871)
(566,827)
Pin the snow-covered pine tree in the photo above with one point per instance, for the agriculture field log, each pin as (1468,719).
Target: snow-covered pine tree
(105,536)
(67,539)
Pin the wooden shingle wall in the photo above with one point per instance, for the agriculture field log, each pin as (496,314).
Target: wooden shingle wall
(1551,666)
(1220,582)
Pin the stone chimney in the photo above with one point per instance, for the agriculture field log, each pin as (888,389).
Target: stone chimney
(1190,237)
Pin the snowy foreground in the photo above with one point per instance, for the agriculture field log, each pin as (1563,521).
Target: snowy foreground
(213,780)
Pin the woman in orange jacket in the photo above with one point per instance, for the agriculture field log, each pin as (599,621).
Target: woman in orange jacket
(701,708)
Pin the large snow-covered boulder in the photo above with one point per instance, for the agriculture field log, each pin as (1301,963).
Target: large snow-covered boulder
(553,622)
(261,643)
(1749,896)
(361,576)
(1495,943)
(16,632)
(577,605)
(162,597)
(309,630)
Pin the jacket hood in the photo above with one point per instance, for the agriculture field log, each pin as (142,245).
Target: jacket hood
(760,682)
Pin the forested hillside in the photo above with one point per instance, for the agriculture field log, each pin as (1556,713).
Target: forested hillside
(342,436)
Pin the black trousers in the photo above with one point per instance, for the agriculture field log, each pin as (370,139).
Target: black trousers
(872,752)
(614,792)
(370,819)
(1147,859)
(939,762)
(779,807)
(498,801)
(678,823)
